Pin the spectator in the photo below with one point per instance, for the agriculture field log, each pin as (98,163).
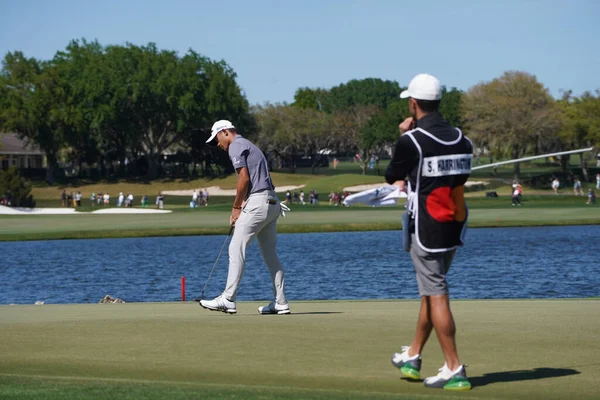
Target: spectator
(205,197)
(591,197)
(516,194)
(63,197)
(302,197)
(577,188)
(130,200)
(195,197)
(106,199)
(78,199)
(145,201)
(120,199)
(93,199)
(555,185)
(100,198)
(288,197)
(597,181)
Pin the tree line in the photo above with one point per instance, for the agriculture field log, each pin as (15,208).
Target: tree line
(111,105)
(101,105)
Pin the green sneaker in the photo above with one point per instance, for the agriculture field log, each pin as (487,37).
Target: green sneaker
(449,380)
(409,366)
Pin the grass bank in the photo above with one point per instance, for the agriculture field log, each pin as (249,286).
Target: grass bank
(484,212)
(324,350)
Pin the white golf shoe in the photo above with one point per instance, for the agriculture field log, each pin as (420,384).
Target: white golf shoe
(219,303)
(448,379)
(274,308)
(409,366)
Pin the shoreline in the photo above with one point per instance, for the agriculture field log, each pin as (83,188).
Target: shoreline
(4,306)
(281,228)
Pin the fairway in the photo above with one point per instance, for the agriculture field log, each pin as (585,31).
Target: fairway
(321,219)
(515,349)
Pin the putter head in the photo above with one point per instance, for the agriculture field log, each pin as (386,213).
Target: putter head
(197,300)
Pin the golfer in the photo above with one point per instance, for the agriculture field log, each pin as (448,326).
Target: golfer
(255,212)
(437,159)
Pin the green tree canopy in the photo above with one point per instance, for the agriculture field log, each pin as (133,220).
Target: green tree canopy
(290,132)
(364,92)
(310,98)
(101,104)
(510,115)
(580,123)
(30,105)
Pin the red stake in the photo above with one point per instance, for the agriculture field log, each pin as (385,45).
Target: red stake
(183,288)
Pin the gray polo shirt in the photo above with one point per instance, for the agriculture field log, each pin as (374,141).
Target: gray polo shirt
(243,153)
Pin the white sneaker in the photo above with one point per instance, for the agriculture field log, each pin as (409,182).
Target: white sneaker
(409,366)
(219,303)
(274,308)
(451,380)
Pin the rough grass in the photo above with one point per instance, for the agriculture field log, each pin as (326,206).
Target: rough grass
(324,350)
(214,219)
(322,183)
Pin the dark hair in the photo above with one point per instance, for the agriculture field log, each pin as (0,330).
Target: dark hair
(428,105)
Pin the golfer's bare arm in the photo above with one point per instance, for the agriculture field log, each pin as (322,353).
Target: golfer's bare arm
(243,183)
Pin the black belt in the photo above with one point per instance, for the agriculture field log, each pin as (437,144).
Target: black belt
(272,202)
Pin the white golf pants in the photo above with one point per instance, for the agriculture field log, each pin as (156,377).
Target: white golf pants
(257,219)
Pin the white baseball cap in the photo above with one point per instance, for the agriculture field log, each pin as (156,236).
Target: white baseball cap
(423,87)
(218,127)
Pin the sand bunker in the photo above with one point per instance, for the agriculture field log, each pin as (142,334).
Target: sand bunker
(120,210)
(71,211)
(35,211)
(217,191)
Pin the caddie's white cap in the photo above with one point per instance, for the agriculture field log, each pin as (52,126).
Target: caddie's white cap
(218,127)
(423,87)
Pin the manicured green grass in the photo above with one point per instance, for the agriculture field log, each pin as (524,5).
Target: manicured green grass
(484,212)
(515,349)
(322,183)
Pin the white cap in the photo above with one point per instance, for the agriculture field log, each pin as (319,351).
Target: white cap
(423,87)
(218,127)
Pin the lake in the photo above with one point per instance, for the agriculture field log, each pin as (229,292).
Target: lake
(495,263)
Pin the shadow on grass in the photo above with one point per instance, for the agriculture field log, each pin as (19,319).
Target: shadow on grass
(521,375)
(316,313)
(514,376)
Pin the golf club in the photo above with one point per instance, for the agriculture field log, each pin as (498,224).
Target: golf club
(216,261)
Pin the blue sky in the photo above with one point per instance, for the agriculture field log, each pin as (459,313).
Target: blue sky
(276,47)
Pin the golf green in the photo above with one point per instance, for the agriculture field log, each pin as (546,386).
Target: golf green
(515,349)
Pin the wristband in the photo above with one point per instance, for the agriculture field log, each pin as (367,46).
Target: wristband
(237,208)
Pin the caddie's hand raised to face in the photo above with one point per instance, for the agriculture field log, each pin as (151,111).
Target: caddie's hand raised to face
(406,125)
